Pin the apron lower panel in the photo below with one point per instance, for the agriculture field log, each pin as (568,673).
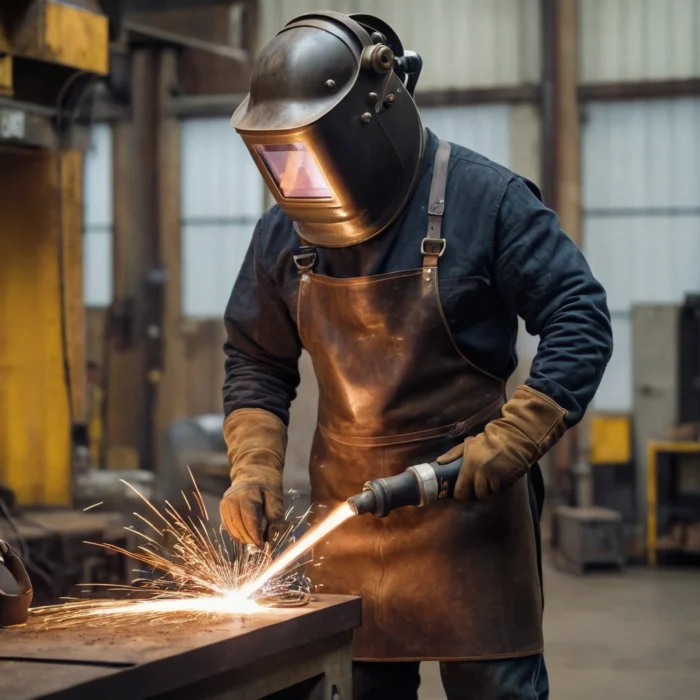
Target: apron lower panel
(449,581)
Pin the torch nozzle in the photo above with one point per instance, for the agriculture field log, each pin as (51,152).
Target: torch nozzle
(365,502)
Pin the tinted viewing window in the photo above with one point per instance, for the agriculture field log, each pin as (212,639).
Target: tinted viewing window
(294,170)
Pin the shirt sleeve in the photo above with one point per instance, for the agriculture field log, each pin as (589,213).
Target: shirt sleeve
(545,279)
(262,346)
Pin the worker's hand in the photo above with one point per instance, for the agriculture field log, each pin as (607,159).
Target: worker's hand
(243,507)
(256,441)
(530,424)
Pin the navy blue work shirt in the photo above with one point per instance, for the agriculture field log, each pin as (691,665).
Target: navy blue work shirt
(505,257)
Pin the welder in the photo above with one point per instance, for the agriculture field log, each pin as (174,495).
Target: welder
(401,263)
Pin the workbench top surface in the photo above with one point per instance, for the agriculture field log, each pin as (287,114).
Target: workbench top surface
(39,662)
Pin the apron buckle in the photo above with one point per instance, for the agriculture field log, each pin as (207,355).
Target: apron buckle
(305,259)
(433,246)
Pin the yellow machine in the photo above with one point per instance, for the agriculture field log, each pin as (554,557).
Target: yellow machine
(48,49)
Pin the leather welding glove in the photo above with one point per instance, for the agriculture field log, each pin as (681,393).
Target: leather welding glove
(530,424)
(256,440)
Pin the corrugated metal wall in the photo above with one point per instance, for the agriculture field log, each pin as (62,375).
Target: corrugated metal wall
(641,212)
(485,128)
(464,43)
(639,39)
(222,198)
(98,219)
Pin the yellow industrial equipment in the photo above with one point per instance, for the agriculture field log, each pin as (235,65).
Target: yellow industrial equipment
(611,439)
(49,44)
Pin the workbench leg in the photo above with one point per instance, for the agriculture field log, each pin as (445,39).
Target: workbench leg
(336,683)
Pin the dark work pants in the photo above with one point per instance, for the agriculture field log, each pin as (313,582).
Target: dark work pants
(503,679)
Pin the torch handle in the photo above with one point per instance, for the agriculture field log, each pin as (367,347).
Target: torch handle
(446,475)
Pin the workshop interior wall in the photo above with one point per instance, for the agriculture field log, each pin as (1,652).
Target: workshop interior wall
(222,199)
(455,39)
(621,40)
(641,221)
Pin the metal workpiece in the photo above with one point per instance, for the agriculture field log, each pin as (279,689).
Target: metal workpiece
(252,656)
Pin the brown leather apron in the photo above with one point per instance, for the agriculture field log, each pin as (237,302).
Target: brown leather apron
(445,582)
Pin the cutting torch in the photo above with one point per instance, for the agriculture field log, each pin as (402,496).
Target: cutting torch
(419,485)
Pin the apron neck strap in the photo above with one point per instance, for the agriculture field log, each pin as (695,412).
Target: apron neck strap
(305,258)
(433,245)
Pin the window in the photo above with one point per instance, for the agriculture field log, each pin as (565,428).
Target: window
(222,200)
(98,219)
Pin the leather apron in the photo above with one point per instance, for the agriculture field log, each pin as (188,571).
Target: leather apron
(448,581)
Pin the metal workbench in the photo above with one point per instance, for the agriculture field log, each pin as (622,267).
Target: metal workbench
(306,650)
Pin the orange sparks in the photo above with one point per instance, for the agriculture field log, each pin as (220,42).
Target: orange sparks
(192,571)
(298,549)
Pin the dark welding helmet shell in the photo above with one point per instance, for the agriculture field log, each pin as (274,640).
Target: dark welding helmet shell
(332,128)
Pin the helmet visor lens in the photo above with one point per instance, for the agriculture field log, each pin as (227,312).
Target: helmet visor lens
(294,170)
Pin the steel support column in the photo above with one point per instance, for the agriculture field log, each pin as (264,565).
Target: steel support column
(561,163)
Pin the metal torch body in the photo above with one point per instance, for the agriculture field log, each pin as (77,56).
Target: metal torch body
(419,485)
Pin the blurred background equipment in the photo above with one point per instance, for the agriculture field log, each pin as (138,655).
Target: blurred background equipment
(195,444)
(667,452)
(15,588)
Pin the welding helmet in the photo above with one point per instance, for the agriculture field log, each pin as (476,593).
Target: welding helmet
(332,126)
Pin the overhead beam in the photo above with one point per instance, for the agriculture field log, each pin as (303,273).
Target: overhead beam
(224,104)
(162,5)
(202,73)
(512,94)
(203,105)
(640,90)
(148,31)
(60,32)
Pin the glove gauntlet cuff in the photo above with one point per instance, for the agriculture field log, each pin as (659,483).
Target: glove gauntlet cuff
(256,442)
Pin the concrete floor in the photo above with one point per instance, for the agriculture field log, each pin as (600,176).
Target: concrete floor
(630,636)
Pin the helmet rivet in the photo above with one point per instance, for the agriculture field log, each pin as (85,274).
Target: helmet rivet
(389,100)
(373,97)
(377,38)
(366,118)
(330,84)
